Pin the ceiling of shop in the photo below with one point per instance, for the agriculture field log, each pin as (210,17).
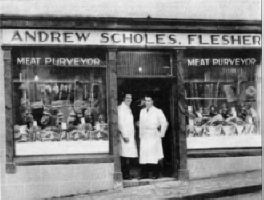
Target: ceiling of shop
(159,9)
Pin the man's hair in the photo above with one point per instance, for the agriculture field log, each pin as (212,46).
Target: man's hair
(150,95)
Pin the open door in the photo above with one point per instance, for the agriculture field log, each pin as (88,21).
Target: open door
(162,88)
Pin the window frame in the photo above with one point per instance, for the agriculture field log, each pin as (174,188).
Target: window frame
(12,160)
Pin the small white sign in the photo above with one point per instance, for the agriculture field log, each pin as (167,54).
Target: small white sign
(63,126)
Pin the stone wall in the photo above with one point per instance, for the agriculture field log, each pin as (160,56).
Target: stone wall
(46,181)
(213,167)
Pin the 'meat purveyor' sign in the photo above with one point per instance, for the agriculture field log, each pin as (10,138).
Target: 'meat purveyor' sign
(127,38)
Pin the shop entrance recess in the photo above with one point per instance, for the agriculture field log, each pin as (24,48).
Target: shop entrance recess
(141,73)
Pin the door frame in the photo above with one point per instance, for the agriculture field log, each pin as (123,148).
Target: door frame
(173,107)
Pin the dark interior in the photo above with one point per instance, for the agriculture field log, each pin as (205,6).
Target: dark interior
(161,88)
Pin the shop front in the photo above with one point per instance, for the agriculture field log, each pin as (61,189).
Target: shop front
(62,88)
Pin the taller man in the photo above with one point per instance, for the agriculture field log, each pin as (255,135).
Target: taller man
(128,147)
(152,127)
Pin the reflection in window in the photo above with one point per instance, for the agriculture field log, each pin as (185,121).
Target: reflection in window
(223,100)
(57,107)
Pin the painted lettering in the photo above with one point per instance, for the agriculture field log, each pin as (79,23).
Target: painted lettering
(160,38)
(172,39)
(225,39)
(125,38)
(43,36)
(200,37)
(256,39)
(21,61)
(235,39)
(55,35)
(114,39)
(67,36)
(104,37)
(191,39)
(82,36)
(17,36)
(214,39)
(147,39)
(28,35)
(138,38)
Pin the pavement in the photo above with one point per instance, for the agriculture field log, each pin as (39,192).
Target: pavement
(224,185)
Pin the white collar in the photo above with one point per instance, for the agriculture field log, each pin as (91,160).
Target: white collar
(123,104)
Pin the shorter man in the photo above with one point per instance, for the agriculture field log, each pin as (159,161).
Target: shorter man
(128,148)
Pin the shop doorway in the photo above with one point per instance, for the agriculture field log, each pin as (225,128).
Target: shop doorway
(162,90)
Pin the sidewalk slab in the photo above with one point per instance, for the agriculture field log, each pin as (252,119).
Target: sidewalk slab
(180,189)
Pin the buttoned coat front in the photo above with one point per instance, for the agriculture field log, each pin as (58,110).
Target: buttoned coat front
(152,126)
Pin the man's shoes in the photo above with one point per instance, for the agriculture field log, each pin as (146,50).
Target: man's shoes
(127,177)
(155,176)
(143,176)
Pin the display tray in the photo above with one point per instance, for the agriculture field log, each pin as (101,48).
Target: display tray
(61,147)
(234,141)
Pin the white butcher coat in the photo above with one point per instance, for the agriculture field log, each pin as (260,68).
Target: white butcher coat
(126,128)
(150,137)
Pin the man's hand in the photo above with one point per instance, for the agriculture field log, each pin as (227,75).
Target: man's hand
(126,139)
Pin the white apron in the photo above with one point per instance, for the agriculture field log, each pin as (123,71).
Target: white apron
(150,137)
(126,128)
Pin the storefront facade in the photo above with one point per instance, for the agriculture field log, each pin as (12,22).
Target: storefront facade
(62,79)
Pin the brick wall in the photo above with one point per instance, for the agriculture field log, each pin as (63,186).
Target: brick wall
(212,167)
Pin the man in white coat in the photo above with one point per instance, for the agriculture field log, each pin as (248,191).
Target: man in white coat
(128,147)
(152,127)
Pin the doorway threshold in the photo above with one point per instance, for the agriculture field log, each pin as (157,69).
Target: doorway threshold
(142,182)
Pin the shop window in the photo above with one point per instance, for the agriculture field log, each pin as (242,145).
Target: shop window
(131,63)
(59,102)
(222,92)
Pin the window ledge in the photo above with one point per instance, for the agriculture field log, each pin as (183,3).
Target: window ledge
(63,159)
(228,152)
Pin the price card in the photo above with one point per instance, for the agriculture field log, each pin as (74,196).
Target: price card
(63,126)
(191,122)
(82,120)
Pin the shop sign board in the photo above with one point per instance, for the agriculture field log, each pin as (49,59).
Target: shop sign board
(128,38)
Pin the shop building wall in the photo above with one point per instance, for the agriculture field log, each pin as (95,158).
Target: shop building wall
(213,167)
(46,181)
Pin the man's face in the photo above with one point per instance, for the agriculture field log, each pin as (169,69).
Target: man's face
(128,99)
(148,102)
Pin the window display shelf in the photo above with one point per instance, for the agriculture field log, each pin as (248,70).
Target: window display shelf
(211,81)
(50,81)
(202,98)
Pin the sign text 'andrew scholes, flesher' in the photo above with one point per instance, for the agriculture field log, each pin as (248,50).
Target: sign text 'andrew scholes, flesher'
(99,37)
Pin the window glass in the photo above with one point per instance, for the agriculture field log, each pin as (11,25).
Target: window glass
(222,92)
(59,102)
